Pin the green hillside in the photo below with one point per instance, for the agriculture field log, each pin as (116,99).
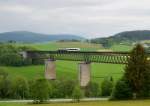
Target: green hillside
(125,38)
(121,47)
(83,45)
(56,45)
(26,36)
(67,70)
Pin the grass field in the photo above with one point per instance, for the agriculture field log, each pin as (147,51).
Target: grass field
(100,103)
(121,48)
(67,70)
(55,45)
(82,45)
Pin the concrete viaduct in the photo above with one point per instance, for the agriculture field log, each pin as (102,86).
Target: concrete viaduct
(85,59)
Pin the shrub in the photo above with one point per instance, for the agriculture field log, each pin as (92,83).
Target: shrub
(62,88)
(40,90)
(77,94)
(122,90)
(106,87)
(92,90)
(3,73)
(5,84)
(20,88)
(10,56)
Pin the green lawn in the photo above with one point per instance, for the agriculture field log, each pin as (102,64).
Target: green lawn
(67,70)
(121,48)
(100,103)
(56,45)
(82,45)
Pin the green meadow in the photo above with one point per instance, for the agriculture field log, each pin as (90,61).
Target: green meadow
(69,69)
(55,45)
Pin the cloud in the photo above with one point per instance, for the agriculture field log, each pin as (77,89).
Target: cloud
(89,18)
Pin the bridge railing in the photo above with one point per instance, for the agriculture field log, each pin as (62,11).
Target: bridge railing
(99,57)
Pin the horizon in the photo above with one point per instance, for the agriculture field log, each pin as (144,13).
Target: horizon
(47,34)
(90,19)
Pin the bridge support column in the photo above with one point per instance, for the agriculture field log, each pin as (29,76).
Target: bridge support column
(50,71)
(84,73)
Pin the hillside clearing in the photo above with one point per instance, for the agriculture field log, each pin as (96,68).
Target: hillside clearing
(67,70)
(55,45)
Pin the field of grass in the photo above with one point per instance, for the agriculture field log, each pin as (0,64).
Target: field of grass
(99,103)
(121,48)
(67,70)
(82,45)
(55,45)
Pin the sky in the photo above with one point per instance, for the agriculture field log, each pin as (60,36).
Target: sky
(87,18)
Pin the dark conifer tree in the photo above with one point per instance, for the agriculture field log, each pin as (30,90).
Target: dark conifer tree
(137,72)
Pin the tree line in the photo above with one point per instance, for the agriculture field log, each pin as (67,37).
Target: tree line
(41,89)
(135,83)
(10,55)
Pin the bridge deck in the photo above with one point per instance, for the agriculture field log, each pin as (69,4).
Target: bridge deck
(92,56)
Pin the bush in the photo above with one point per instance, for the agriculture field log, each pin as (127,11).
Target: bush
(62,88)
(106,87)
(5,84)
(10,59)
(92,90)
(20,88)
(77,94)
(10,56)
(40,90)
(122,90)
(3,73)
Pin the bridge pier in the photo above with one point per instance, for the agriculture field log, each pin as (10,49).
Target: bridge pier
(50,71)
(84,73)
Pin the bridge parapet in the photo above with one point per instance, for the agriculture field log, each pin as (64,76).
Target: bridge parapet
(99,57)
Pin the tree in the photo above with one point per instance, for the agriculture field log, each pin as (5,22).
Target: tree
(122,90)
(3,73)
(20,88)
(77,94)
(5,84)
(66,88)
(40,90)
(137,71)
(92,90)
(107,86)
(62,88)
(10,56)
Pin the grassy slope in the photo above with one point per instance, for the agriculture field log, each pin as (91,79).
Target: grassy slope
(121,48)
(68,69)
(83,46)
(100,103)
(56,45)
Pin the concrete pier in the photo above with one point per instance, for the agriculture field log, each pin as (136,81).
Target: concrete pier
(50,69)
(84,74)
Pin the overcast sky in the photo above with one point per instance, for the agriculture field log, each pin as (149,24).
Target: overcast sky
(89,18)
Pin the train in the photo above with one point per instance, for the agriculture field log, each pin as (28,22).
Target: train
(68,49)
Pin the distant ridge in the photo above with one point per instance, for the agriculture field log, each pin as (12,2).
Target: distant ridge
(130,36)
(26,36)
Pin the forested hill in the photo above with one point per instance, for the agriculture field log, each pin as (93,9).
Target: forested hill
(130,36)
(25,36)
